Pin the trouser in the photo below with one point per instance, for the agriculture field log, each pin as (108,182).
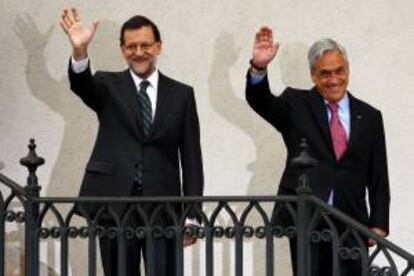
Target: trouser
(162,256)
(321,260)
(321,253)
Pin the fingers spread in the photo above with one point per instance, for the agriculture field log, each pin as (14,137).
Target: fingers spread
(65,18)
(95,25)
(75,13)
(264,35)
(63,25)
(257,37)
(62,21)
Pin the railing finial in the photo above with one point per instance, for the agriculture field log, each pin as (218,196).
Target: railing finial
(303,162)
(32,161)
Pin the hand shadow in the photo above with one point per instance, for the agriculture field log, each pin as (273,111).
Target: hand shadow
(269,151)
(80,123)
(266,168)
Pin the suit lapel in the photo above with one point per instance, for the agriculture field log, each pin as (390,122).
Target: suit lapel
(356,121)
(320,114)
(161,105)
(130,96)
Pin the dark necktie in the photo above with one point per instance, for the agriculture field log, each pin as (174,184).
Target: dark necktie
(145,107)
(338,133)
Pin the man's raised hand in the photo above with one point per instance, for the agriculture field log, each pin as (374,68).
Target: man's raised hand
(79,35)
(264,47)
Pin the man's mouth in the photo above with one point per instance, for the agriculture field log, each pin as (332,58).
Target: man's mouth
(140,60)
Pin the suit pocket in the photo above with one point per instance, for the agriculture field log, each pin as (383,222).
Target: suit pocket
(100,167)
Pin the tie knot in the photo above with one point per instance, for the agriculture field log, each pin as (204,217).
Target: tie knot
(144,84)
(333,107)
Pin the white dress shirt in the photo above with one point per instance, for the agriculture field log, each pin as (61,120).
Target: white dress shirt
(79,66)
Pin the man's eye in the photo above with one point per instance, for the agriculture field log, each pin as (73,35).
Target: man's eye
(131,47)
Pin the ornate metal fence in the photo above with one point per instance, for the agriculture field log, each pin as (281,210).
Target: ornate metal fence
(312,221)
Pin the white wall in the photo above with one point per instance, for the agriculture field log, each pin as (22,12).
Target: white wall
(207,44)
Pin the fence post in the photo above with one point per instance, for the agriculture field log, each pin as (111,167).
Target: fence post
(32,162)
(2,231)
(303,162)
(303,246)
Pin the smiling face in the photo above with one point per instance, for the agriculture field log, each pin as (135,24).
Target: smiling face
(330,74)
(140,50)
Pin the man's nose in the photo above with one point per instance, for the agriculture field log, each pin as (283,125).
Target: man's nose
(334,79)
(139,51)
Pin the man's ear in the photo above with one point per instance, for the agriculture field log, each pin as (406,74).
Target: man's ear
(313,76)
(122,48)
(159,48)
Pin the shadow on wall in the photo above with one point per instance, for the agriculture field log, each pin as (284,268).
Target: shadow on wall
(294,65)
(266,168)
(14,254)
(80,124)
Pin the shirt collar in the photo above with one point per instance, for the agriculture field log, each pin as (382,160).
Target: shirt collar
(152,79)
(343,104)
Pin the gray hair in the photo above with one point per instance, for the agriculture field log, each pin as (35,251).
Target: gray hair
(318,49)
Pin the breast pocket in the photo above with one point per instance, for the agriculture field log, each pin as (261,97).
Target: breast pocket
(173,125)
(100,167)
(174,117)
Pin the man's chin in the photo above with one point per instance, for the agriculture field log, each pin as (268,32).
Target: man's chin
(336,94)
(142,72)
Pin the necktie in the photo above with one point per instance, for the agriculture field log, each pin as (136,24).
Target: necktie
(338,133)
(145,107)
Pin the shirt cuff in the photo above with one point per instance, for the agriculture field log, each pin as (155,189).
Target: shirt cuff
(79,66)
(331,198)
(189,221)
(256,78)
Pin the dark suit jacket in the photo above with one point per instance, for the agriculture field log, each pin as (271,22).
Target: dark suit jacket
(298,114)
(122,155)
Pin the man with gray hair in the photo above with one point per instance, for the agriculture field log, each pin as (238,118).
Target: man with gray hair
(344,134)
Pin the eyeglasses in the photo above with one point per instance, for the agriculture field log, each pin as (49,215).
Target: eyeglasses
(132,47)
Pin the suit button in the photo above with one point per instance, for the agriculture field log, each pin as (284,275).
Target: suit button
(138,180)
(137,184)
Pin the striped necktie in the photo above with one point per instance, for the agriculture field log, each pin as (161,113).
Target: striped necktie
(145,107)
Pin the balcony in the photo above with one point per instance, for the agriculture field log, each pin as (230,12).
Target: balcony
(231,222)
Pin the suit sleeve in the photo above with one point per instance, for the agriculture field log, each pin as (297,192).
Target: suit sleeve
(190,151)
(378,188)
(274,109)
(88,87)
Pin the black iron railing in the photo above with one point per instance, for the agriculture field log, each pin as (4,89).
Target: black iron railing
(248,217)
